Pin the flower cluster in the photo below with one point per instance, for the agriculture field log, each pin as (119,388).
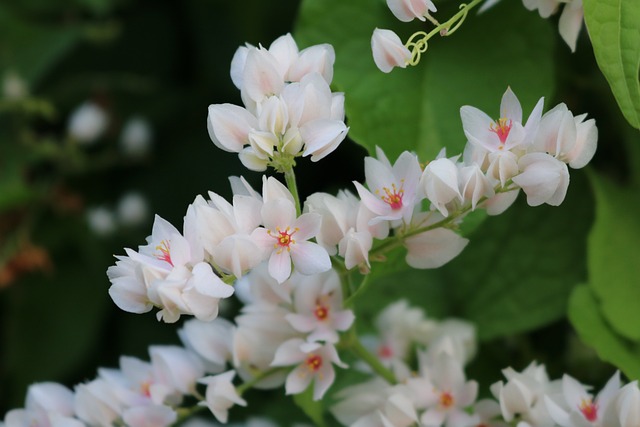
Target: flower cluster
(289,107)
(299,269)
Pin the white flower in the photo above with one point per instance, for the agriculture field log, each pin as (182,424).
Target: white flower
(96,404)
(318,308)
(388,50)
(212,341)
(544,179)
(176,367)
(581,408)
(136,136)
(314,363)
(439,182)
(408,10)
(229,126)
(87,123)
(571,22)
(221,395)
(445,394)
(261,328)
(285,240)
(567,138)
(522,394)
(432,248)
(625,409)
(393,190)
(46,405)
(506,133)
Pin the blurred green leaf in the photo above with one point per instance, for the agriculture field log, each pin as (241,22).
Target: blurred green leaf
(586,317)
(518,271)
(32,49)
(418,108)
(613,29)
(614,259)
(313,408)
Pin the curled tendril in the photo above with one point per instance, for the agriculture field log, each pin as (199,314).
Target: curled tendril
(464,8)
(418,45)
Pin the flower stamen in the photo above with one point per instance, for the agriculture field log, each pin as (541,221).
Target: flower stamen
(501,127)
(165,254)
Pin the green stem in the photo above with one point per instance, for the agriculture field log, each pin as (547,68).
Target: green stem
(446,26)
(359,350)
(261,376)
(290,178)
(363,287)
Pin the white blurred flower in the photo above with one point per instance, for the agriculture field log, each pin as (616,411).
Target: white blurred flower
(87,123)
(102,221)
(221,395)
(136,137)
(132,209)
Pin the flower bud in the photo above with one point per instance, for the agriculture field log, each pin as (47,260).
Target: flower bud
(408,10)
(388,50)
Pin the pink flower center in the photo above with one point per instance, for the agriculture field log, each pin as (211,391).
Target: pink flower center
(314,362)
(393,196)
(446,400)
(501,128)
(145,388)
(284,239)
(589,409)
(321,312)
(385,351)
(164,254)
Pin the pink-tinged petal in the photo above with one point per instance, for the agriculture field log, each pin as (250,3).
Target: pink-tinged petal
(149,416)
(207,283)
(531,127)
(246,210)
(609,390)
(574,392)
(477,128)
(285,50)
(229,126)
(262,76)
(273,189)
(323,380)
(559,415)
(337,106)
(280,265)
(378,174)
(388,50)
(298,380)
(263,143)
(130,296)
(343,320)
(307,226)
(310,258)
(237,65)
(373,203)
(322,136)
(314,59)
(468,394)
(432,417)
(289,353)
(278,213)
(500,202)
(586,144)
(301,322)
(510,107)
(263,239)
(434,248)
(408,10)
(571,22)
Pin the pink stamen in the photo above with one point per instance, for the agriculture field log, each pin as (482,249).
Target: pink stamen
(589,409)
(165,254)
(393,196)
(501,128)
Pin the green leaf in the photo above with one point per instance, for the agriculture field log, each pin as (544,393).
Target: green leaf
(30,49)
(313,408)
(614,259)
(519,268)
(586,317)
(613,28)
(418,108)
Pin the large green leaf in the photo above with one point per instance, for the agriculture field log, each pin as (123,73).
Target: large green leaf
(615,34)
(586,317)
(520,267)
(614,259)
(418,108)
